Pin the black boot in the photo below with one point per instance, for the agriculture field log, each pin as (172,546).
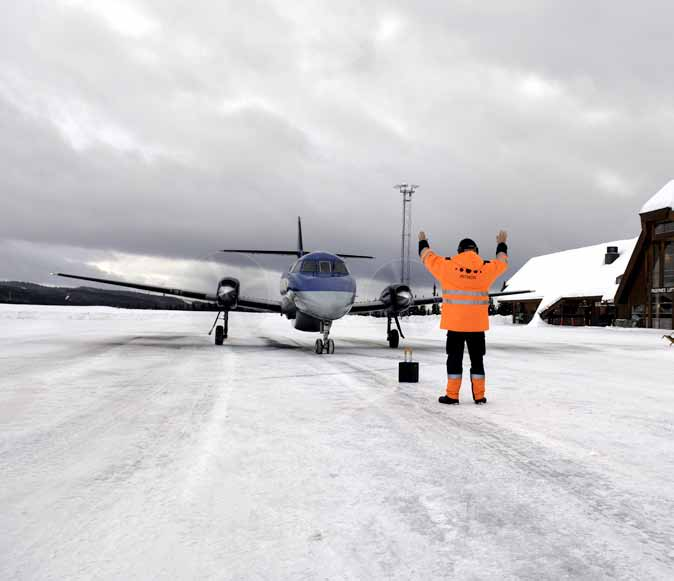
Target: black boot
(448,400)
(480,401)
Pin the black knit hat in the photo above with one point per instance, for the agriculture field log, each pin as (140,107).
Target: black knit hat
(468,244)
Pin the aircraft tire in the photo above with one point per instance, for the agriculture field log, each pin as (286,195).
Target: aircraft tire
(393,339)
(219,335)
(330,347)
(318,346)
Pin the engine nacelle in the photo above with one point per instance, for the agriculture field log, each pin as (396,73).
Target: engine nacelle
(397,298)
(228,293)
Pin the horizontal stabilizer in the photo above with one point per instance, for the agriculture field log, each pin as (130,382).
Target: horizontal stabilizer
(276,252)
(289,253)
(355,256)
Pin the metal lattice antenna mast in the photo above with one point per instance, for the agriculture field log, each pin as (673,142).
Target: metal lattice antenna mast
(406,190)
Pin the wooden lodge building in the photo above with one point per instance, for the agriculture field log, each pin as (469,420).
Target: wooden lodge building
(646,291)
(625,282)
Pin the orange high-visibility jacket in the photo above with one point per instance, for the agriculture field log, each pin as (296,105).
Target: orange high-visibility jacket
(465,280)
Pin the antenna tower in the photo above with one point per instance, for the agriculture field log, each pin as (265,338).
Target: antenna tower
(406,240)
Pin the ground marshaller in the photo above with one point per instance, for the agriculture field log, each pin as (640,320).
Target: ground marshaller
(465,280)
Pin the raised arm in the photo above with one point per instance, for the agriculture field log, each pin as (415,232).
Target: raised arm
(500,265)
(433,263)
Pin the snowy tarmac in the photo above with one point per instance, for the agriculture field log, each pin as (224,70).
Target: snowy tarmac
(131,447)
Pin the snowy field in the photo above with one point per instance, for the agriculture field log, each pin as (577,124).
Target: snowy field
(133,448)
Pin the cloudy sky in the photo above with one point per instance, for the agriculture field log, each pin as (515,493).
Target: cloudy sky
(137,137)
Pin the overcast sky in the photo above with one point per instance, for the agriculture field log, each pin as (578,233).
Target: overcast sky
(138,136)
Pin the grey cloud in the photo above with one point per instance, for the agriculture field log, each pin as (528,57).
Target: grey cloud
(216,126)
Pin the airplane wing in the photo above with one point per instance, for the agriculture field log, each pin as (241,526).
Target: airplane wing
(373,306)
(250,303)
(261,305)
(506,293)
(176,292)
(438,300)
(368,307)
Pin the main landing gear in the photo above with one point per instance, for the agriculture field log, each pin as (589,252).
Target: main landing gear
(393,335)
(220,330)
(325,345)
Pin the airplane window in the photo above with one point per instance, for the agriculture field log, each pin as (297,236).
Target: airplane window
(340,267)
(309,266)
(296,267)
(326,267)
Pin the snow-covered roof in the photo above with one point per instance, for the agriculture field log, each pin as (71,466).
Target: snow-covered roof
(663,199)
(580,272)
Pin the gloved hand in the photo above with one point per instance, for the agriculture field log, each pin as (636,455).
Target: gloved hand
(502,236)
(422,235)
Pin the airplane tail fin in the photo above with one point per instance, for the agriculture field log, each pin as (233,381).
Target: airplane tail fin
(299,253)
(300,243)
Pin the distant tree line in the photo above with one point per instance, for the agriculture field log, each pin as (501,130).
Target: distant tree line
(25,293)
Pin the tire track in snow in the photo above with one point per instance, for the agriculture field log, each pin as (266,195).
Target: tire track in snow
(594,493)
(213,428)
(150,451)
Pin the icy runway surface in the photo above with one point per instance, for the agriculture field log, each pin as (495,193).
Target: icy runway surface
(131,447)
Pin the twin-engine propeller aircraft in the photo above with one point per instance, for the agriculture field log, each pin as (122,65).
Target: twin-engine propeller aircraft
(315,291)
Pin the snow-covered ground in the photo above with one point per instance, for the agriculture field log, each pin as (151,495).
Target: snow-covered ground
(133,448)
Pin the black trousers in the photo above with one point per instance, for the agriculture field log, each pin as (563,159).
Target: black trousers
(476,349)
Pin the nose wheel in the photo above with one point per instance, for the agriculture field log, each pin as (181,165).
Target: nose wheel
(221,331)
(325,345)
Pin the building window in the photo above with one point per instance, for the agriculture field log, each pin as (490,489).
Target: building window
(639,315)
(668,265)
(662,310)
(662,282)
(655,275)
(664,228)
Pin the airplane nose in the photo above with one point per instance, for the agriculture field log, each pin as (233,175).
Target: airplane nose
(324,304)
(225,290)
(403,299)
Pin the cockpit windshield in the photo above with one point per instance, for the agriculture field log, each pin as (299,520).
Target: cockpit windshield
(340,267)
(309,266)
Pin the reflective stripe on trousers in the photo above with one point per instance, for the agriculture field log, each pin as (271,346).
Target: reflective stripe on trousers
(477,384)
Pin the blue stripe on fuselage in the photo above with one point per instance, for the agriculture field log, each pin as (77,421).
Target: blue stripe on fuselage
(299,282)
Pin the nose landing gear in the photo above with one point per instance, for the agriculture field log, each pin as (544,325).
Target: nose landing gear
(325,345)
(393,335)
(221,331)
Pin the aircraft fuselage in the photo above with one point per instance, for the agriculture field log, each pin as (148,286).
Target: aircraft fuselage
(318,286)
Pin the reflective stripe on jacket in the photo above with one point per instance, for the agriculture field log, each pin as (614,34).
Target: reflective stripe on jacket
(465,280)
